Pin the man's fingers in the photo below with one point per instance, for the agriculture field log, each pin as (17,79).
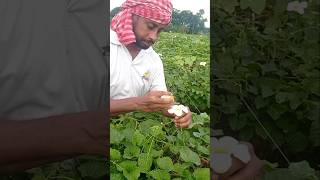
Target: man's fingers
(159,93)
(252,170)
(184,121)
(236,166)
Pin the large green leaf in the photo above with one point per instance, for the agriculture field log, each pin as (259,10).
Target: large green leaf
(93,169)
(115,154)
(159,174)
(145,162)
(165,163)
(201,174)
(256,5)
(188,155)
(131,151)
(130,170)
(115,136)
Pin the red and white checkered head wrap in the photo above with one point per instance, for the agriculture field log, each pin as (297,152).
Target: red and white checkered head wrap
(159,11)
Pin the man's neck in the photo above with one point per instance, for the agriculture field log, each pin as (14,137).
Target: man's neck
(133,50)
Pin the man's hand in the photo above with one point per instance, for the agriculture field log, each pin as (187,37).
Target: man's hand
(241,171)
(152,101)
(180,121)
(183,121)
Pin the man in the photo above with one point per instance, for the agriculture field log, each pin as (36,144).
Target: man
(53,77)
(136,71)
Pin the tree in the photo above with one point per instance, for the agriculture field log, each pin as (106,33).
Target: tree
(182,21)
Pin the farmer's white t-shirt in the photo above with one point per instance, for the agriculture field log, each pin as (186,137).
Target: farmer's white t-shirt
(132,78)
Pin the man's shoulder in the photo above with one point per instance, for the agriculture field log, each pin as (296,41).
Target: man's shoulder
(150,51)
(114,40)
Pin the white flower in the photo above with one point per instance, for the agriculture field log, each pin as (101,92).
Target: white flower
(167,98)
(297,6)
(222,150)
(178,110)
(203,63)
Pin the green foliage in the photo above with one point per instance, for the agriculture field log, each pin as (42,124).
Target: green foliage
(266,67)
(185,77)
(182,21)
(148,144)
(295,171)
(166,151)
(187,22)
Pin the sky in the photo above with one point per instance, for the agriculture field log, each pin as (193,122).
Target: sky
(193,5)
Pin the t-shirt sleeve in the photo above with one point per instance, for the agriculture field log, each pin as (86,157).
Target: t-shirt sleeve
(158,82)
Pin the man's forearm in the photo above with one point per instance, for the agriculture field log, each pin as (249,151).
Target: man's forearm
(59,136)
(123,105)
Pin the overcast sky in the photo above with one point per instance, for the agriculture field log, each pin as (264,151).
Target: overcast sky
(192,5)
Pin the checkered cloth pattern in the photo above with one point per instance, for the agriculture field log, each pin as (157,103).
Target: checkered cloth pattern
(159,11)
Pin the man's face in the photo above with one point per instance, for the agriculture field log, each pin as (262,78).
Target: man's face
(146,31)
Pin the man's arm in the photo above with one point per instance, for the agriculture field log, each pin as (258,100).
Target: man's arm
(52,138)
(150,102)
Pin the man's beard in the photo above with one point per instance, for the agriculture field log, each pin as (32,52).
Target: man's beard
(142,44)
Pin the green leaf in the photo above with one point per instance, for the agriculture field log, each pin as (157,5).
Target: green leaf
(115,154)
(130,170)
(237,123)
(244,4)
(281,97)
(138,138)
(295,99)
(174,149)
(93,169)
(315,132)
(156,153)
(229,6)
(165,163)
(203,150)
(145,162)
(266,91)
(246,133)
(297,142)
(159,174)
(156,131)
(302,170)
(260,102)
(115,136)
(128,134)
(117,176)
(279,174)
(188,155)
(256,5)
(276,110)
(201,174)
(146,125)
(131,151)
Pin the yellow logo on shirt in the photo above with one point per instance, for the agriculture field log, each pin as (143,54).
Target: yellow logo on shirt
(146,75)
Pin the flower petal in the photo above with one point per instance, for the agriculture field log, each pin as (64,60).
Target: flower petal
(241,152)
(185,109)
(213,141)
(228,143)
(220,162)
(292,5)
(300,10)
(304,4)
(178,113)
(171,111)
